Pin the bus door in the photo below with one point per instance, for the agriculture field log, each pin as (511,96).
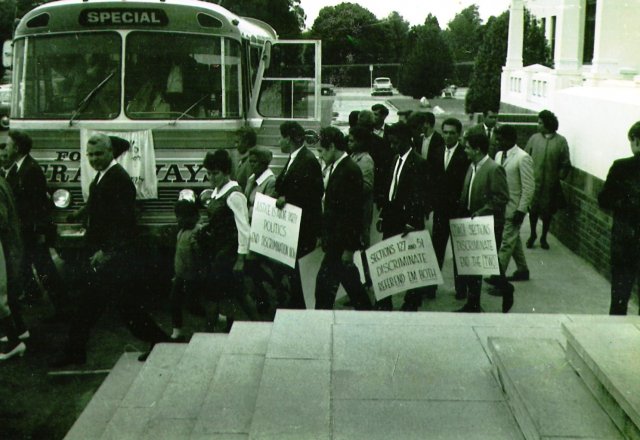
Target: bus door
(288,82)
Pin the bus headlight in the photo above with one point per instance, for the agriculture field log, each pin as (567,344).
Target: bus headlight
(187,194)
(205,197)
(61,198)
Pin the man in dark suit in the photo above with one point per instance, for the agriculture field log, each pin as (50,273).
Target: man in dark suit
(300,184)
(428,143)
(111,231)
(621,194)
(341,224)
(485,192)
(404,207)
(29,186)
(381,152)
(447,167)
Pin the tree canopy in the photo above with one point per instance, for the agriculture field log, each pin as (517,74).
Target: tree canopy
(427,61)
(464,34)
(484,90)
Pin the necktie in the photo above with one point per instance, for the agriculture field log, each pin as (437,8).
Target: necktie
(489,130)
(3,172)
(447,156)
(97,179)
(326,175)
(396,177)
(473,176)
(286,166)
(503,158)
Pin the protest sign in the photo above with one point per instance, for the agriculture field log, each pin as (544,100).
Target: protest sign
(274,232)
(401,263)
(474,246)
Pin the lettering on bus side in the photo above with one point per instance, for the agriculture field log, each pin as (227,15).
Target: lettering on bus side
(122,16)
(65,168)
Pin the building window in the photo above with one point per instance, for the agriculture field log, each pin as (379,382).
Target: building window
(589,31)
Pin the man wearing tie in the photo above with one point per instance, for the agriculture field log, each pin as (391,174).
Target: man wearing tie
(404,207)
(111,230)
(518,166)
(29,186)
(485,192)
(489,124)
(300,184)
(448,169)
(341,224)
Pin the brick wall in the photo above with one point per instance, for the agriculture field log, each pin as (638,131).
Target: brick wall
(582,226)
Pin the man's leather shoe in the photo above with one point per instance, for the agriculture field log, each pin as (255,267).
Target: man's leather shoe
(18,350)
(507,298)
(22,336)
(494,280)
(69,358)
(519,275)
(409,307)
(461,295)
(531,241)
(467,308)
(543,244)
(494,291)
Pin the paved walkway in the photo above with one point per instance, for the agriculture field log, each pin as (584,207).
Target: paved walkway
(561,282)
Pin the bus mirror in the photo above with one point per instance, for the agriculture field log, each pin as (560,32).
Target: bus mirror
(7,54)
(266,55)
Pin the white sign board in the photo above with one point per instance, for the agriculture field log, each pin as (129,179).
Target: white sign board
(401,263)
(474,246)
(274,232)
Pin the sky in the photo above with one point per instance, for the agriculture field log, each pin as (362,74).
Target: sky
(414,11)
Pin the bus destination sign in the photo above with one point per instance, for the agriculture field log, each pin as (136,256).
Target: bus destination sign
(122,16)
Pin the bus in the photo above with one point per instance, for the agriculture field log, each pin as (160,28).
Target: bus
(174,77)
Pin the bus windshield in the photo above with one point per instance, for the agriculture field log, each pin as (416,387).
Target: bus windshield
(57,75)
(171,75)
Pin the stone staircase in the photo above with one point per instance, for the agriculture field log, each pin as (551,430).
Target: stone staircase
(375,375)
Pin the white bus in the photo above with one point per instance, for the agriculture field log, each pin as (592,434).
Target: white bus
(176,77)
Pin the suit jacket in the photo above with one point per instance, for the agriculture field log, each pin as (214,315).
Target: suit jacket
(111,220)
(446,185)
(32,200)
(489,192)
(343,204)
(383,158)
(436,144)
(408,207)
(10,236)
(621,194)
(519,168)
(302,185)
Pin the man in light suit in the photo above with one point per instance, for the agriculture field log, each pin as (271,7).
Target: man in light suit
(300,183)
(404,207)
(485,192)
(341,224)
(447,169)
(519,168)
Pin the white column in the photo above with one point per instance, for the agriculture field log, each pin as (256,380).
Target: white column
(516,35)
(570,27)
(616,39)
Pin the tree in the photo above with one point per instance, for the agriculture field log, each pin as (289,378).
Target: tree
(286,16)
(484,90)
(464,34)
(396,31)
(427,61)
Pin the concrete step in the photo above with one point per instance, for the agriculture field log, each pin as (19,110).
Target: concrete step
(136,408)
(176,411)
(230,402)
(545,395)
(104,403)
(606,355)
(301,335)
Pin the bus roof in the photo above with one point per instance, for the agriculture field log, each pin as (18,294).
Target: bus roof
(65,16)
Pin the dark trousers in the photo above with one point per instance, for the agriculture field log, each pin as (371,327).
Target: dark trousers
(625,266)
(112,284)
(440,238)
(334,271)
(473,283)
(37,254)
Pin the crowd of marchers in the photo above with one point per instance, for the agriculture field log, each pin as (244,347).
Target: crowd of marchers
(397,178)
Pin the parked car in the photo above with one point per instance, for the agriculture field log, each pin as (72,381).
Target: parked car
(382,86)
(5,105)
(327,89)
